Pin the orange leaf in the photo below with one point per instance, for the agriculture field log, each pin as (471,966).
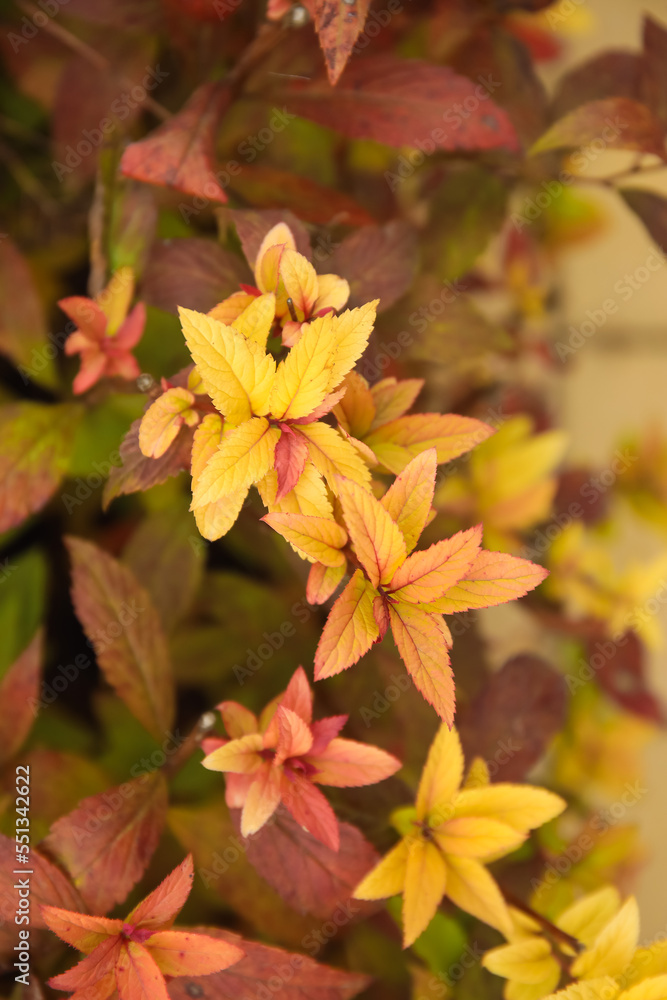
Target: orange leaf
(348,764)
(310,809)
(378,542)
(94,974)
(81,930)
(295,737)
(338,25)
(319,539)
(350,630)
(322,582)
(163,419)
(181,153)
(427,574)
(401,440)
(408,500)
(392,398)
(424,648)
(494,578)
(183,953)
(333,456)
(138,976)
(159,909)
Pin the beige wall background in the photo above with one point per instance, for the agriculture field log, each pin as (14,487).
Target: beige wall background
(617,382)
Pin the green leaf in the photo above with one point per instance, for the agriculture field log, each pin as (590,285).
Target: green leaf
(21,604)
(36,454)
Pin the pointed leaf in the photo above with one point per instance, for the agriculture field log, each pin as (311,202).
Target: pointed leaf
(310,808)
(160,908)
(181,153)
(477,837)
(423,644)
(49,886)
(256,320)
(332,456)
(397,442)
(350,630)
(138,976)
(140,473)
(319,539)
(132,654)
(298,696)
(409,498)
(632,126)
(216,518)
(93,976)
(614,947)
(80,930)
(106,850)
(523,807)
(323,582)
(245,456)
(338,26)
(426,575)
(392,399)
(352,329)
(184,953)
(163,419)
(388,876)
(303,378)
(236,373)
(378,542)
(348,764)
(294,736)
(425,883)
(494,578)
(441,777)
(470,887)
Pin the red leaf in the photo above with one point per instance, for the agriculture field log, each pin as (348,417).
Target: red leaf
(268,187)
(161,907)
(308,875)
(379,262)
(401,102)
(181,153)
(266,971)
(22,322)
(140,473)
(622,123)
(291,455)
(49,886)
(515,716)
(126,633)
(108,840)
(622,674)
(338,25)
(19,690)
(194,273)
(310,809)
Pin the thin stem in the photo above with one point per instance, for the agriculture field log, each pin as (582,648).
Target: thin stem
(555,932)
(191,743)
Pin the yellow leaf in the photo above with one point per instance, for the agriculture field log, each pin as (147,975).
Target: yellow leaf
(441,777)
(308,496)
(350,630)
(392,398)
(614,947)
(478,774)
(213,519)
(240,756)
(425,882)
(302,379)
(278,235)
(650,989)
(493,578)
(523,807)
(318,539)
(401,440)
(528,961)
(426,575)
(114,300)
(378,543)
(589,915)
(332,456)
(237,374)
(356,409)
(231,308)
(605,988)
(423,643)
(163,419)
(256,320)
(300,280)
(470,887)
(477,837)
(244,456)
(322,582)
(408,500)
(388,876)
(351,330)
(332,292)
(261,801)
